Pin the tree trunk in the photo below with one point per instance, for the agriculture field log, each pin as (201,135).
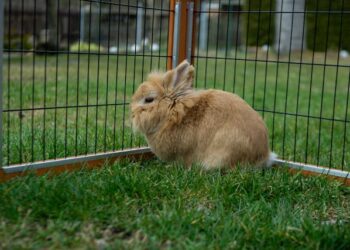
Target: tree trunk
(290,26)
(52,24)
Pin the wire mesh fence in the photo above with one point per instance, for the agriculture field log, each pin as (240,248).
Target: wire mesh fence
(70,68)
(289,60)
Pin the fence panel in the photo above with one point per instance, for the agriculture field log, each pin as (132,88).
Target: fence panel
(271,54)
(70,68)
(1,72)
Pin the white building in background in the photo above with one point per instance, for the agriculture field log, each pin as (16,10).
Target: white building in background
(228,14)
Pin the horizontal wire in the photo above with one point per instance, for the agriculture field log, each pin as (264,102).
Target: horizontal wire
(302,115)
(64,52)
(128,5)
(274,11)
(127,103)
(273,61)
(64,107)
(166,56)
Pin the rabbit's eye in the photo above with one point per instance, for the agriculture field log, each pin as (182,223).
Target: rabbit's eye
(149,99)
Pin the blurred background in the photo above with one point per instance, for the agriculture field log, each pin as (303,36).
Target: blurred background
(242,22)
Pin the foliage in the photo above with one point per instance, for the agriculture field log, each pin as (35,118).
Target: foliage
(259,27)
(17,42)
(82,46)
(324,29)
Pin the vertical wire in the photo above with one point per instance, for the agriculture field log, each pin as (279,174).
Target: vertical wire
(56,83)
(199,8)
(226,44)
(116,85)
(45,80)
(323,83)
(78,84)
(9,86)
(143,48)
(299,84)
(21,87)
(311,81)
(125,75)
(267,59)
(236,51)
(345,122)
(160,33)
(88,84)
(167,33)
(277,68)
(33,82)
(98,74)
(336,83)
(2,48)
(107,76)
(217,45)
(246,50)
(134,66)
(67,83)
(256,52)
(287,85)
(206,58)
(152,36)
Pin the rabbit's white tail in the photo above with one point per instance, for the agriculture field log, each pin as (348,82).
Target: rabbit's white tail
(271,160)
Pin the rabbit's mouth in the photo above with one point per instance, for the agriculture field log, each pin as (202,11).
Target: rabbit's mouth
(135,127)
(146,123)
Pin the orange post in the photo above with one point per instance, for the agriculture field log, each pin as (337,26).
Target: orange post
(194,31)
(182,33)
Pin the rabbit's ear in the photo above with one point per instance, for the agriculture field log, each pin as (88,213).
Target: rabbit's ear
(180,77)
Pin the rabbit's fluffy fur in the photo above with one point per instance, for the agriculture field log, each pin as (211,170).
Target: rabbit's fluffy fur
(211,128)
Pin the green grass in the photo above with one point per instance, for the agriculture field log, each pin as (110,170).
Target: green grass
(151,205)
(305,92)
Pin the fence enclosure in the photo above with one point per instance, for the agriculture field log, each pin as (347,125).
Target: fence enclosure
(70,68)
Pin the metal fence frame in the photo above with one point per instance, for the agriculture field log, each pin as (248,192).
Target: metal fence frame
(96,159)
(1,71)
(181,45)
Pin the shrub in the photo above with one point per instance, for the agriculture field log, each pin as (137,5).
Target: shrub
(85,47)
(321,27)
(18,42)
(335,26)
(259,24)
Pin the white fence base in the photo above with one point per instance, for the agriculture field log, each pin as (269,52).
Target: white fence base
(74,160)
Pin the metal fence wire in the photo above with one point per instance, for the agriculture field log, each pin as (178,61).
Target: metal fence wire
(70,68)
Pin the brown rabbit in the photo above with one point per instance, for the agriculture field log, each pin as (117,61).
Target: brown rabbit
(212,128)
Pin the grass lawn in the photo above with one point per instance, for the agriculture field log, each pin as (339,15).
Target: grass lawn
(151,205)
(304,105)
